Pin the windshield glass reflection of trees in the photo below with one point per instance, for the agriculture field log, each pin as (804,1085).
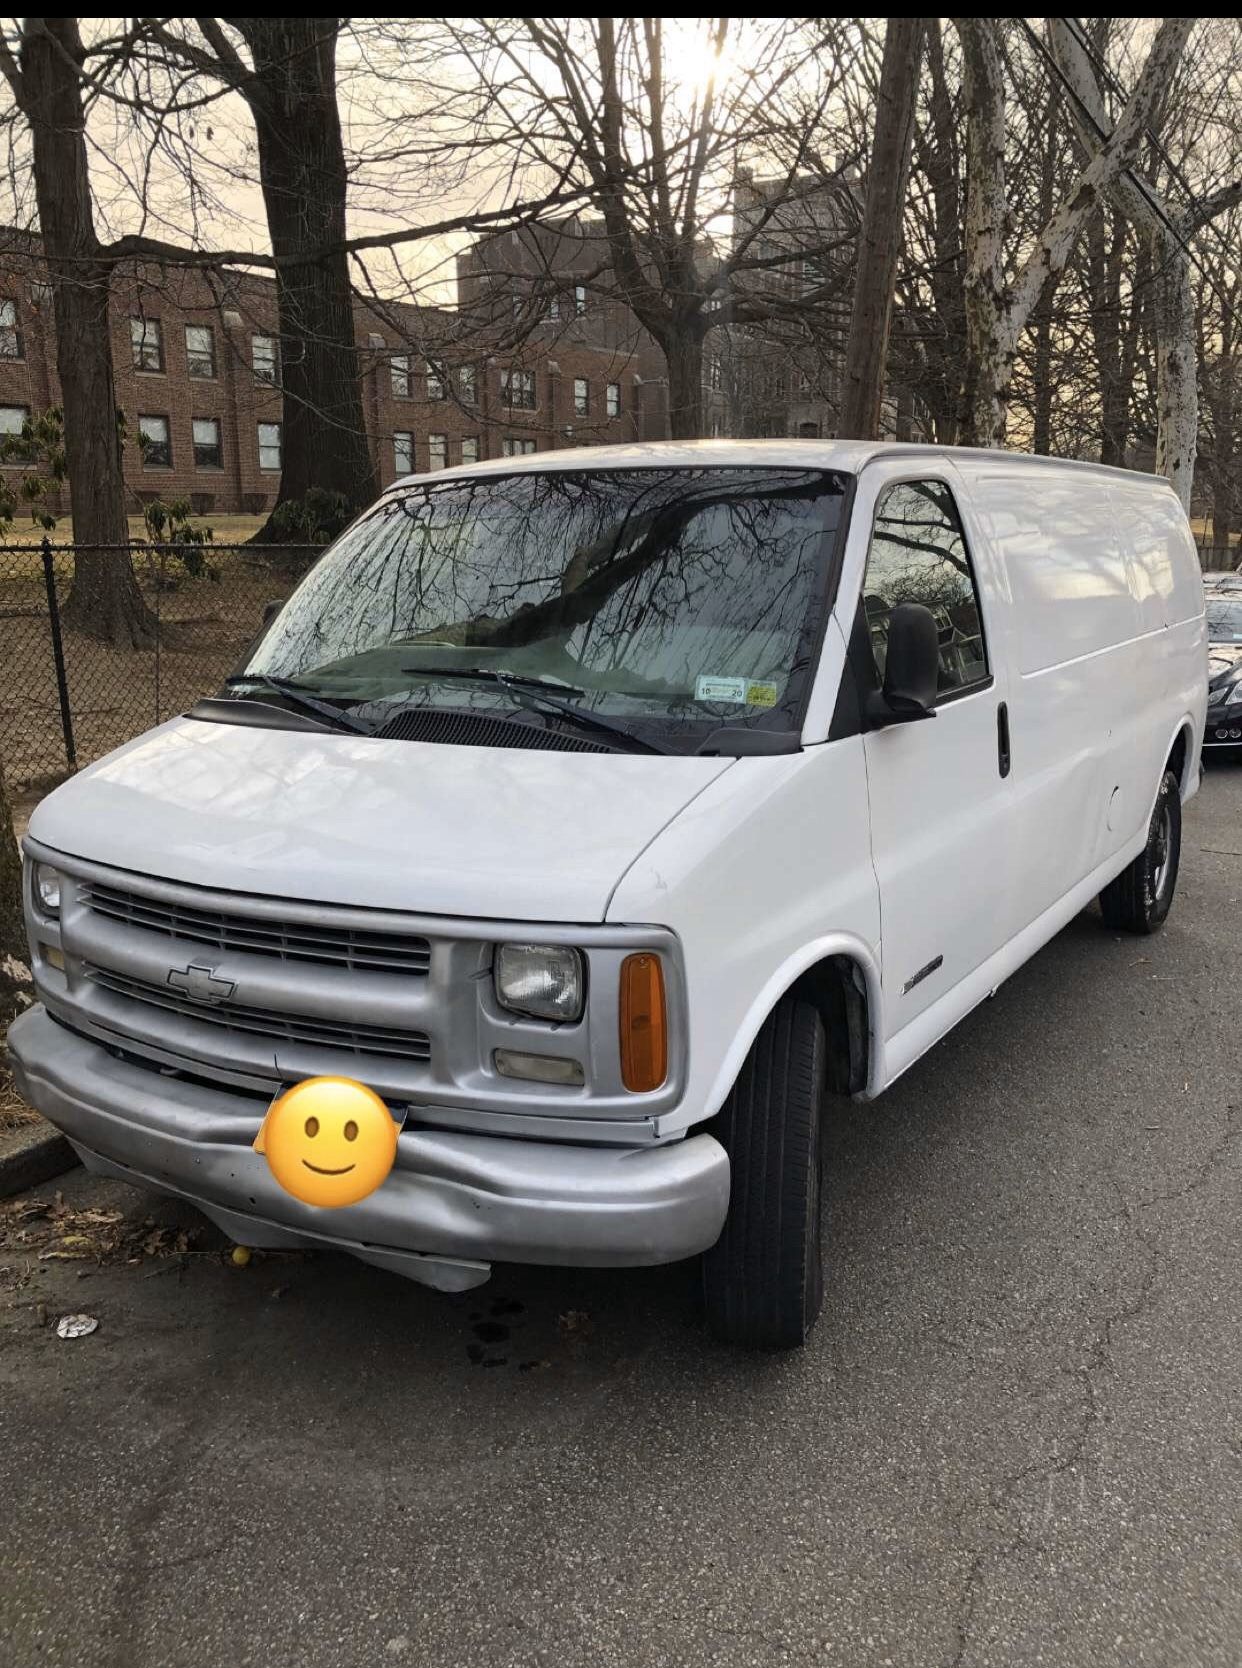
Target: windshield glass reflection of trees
(668,594)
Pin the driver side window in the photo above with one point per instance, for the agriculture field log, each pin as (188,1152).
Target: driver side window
(918,554)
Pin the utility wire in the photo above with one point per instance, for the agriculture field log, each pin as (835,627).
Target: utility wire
(1114,85)
(1142,186)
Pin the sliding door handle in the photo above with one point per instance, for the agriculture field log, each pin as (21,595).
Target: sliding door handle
(1003,756)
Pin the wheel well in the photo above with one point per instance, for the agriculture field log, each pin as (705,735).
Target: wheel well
(838,989)
(1177,760)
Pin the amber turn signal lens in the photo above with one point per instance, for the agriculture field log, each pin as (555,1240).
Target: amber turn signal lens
(644,1024)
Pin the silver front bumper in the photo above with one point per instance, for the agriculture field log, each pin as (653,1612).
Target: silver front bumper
(452,1204)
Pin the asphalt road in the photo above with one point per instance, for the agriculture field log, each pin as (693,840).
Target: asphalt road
(1015,1438)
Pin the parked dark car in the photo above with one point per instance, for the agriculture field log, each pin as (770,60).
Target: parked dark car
(1223,608)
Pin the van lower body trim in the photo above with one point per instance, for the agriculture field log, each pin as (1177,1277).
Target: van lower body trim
(453,1203)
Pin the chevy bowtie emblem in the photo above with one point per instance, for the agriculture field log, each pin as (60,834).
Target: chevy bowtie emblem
(201,985)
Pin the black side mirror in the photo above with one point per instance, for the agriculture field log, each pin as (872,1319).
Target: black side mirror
(271,609)
(911,668)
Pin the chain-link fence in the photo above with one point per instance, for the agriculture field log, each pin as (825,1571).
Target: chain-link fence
(68,694)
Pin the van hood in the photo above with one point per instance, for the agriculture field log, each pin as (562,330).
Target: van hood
(497,833)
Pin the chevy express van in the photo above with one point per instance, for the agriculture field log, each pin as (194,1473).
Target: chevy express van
(606,812)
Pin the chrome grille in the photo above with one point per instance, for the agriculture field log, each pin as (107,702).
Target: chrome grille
(270,1023)
(288,940)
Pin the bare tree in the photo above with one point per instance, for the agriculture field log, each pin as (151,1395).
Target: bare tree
(46,82)
(998,309)
(1168,234)
(605,105)
(880,241)
(288,81)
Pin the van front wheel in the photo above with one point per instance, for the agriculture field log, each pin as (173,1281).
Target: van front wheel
(763,1279)
(1139,899)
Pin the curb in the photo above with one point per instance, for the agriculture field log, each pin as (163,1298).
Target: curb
(31,1154)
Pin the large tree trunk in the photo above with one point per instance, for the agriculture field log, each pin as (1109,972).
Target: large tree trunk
(880,241)
(303,175)
(1177,424)
(683,355)
(948,351)
(996,312)
(14,969)
(1177,369)
(105,601)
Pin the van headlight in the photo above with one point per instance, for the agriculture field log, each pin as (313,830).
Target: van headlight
(543,981)
(47,888)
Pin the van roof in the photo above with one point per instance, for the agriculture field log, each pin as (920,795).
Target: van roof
(850,456)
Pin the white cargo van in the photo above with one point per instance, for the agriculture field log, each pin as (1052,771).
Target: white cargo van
(605,811)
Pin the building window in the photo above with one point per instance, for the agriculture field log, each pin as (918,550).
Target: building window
(269,446)
(265,357)
(146,344)
(512,447)
(375,340)
(10,335)
(466,383)
(612,399)
(437,451)
(554,308)
(403,452)
(12,418)
(435,383)
(200,350)
(207,450)
(517,389)
(400,364)
(582,397)
(579,299)
(155,438)
(470,449)
(712,379)
(40,292)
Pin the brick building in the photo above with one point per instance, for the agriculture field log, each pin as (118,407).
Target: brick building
(197,358)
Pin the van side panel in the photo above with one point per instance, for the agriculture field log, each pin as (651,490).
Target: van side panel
(1072,639)
(1164,566)
(1168,588)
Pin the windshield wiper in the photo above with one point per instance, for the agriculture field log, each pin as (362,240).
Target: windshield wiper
(537,695)
(294,693)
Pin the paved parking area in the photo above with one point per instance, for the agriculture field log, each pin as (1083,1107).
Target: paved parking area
(1016,1437)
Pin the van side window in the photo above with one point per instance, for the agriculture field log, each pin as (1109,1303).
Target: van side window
(918,554)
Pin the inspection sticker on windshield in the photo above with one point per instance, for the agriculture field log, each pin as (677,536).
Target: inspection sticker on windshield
(742,691)
(720,689)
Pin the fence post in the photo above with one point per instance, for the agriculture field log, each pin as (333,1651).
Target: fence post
(58,654)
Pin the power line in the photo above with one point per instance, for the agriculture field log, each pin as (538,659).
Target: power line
(1112,82)
(1142,186)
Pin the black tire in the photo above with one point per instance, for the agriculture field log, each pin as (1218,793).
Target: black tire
(1139,899)
(763,1281)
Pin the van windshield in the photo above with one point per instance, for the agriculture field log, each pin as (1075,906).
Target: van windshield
(667,601)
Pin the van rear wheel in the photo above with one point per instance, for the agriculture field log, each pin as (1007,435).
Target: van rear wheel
(1140,897)
(763,1281)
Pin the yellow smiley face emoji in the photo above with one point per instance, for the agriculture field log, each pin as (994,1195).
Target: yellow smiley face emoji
(329,1141)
